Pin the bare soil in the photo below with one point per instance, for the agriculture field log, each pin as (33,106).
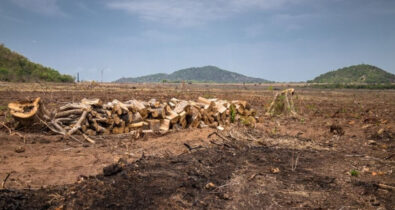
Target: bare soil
(343,143)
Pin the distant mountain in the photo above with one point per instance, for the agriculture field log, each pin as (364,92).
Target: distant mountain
(362,73)
(197,74)
(16,68)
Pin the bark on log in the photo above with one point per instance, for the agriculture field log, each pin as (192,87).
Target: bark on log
(78,125)
(68,113)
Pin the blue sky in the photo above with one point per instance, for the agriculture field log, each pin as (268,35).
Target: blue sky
(281,40)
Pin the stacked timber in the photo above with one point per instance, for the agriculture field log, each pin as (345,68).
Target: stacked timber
(93,117)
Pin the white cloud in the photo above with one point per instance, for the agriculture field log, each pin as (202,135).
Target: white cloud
(192,12)
(45,7)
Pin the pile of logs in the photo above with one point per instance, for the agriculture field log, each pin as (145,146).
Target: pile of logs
(93,117)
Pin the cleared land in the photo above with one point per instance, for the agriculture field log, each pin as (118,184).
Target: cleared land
(343,143)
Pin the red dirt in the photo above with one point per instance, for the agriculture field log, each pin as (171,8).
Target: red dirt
(337,131)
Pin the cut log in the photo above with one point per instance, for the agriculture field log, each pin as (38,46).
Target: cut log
(92,102)
(65,120)
(240,109)
(180,107)
(124,107)
(78,125)
(174,101)
(220,108)
(117,109)
(97,127)
(24,110)
(158,113)
(183,121)
(168,109)
(154,125)
(153,103)
(116,118)
(118,130)
(204,100)
(165,125)
(172,105)
(69,112)
(137,117)
(137,106)
(195,117)
(138,125)
(73,106)
(173,117)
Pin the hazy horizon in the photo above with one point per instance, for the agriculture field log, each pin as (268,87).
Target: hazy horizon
(278,40)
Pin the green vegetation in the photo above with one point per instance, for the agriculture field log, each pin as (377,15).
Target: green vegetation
(354,172)
(194,75)
(16,68)
(354,86)
(357,74)
(232,113)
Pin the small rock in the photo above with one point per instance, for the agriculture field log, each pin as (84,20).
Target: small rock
(19,149)
(210,185)
(275,170)
(372,142)
(365,169)
(220,128)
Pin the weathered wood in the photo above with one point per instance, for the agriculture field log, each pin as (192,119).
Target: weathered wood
(137,106)
(158,113)
(88,139)
(116,118)
(78,125)
(153,103)
(220,108)
(180,107)
(165,125)
(183,121)
(92,117)
(204,100)
(195,117)
(92,102)
(117,109)
(173,117)
(138,125)
(137,117)
(69,112)
(73,106)
(24,110)
(154,125)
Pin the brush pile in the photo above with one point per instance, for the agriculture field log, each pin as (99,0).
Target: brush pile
(93,117)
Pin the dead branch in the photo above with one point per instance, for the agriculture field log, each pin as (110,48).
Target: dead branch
(88,139)
(5,180)
(78,125)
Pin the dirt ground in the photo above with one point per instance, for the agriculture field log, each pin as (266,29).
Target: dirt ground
(338,153)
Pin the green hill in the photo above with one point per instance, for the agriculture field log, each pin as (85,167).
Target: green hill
(16,68)
(362,73)
(197,74)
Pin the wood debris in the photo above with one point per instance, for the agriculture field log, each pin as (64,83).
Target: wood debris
(93,117)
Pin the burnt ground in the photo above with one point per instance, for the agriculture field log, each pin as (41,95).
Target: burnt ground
(230,175)
(343,143)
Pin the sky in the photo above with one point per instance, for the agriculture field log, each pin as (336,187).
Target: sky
(280,40)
